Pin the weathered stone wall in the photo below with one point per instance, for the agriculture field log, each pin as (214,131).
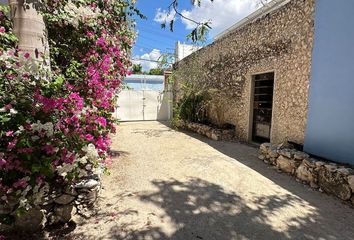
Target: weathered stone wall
(57,205)
(329,177)
(281,42)
(210,132)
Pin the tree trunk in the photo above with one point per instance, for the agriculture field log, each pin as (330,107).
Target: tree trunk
(29,27)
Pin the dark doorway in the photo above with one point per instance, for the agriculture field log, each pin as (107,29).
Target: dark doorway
(262,107)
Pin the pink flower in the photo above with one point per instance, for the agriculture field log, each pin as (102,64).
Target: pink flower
(101,144)
(101,42)
(25,150)
(26,55)
(8,106)
(89,34)
(2,30)
(12,144)
(9,133)
(2,162)
(101,121)
(89,137)
(21,183)
(40,180)
(49,149)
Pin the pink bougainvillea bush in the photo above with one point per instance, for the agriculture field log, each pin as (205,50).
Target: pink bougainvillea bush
(55,121)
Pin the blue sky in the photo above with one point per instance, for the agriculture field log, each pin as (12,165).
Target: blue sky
(152,40)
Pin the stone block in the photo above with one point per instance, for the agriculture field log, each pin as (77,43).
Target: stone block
(286,164)
(273,153)
(333,182)
(286,153)
(215,136)
(265,147)
(64,199)
(304,173)
(351,182)
(87,183)
(311,163)
(32,221)
(273,161)
(64,213)
(345,171)
(300,155)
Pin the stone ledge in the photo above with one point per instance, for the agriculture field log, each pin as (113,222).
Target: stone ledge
(329,177)
(210,132)
(58,205)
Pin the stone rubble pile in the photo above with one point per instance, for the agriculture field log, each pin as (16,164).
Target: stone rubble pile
(58,205)
(329,177)
(208,131)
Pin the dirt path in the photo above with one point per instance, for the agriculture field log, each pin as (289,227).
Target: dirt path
(171,185)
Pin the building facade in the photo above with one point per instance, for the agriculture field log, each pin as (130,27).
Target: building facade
(279,42)
(259,73)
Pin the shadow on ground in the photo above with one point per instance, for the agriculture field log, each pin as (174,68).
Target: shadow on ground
(203,210)
(198,209)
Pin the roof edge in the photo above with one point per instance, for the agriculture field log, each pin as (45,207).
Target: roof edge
(267,8)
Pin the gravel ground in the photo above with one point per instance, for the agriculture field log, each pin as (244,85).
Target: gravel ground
(166,184)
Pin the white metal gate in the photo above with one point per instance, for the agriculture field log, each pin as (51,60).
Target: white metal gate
(143,105)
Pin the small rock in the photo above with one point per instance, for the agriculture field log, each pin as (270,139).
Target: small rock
(88,167)
(91,197)
(31,221)
(286,153)
(71,191)
(261,157)
(90,183)
(333,182)
(64,213)
(305,174)
(273,161)
(81,196)
(301,155)
(215,136)
(273,153)
(351,182)
(310,163)
(264,147)
(84,212)
(319,164)
(345,171)
(286,164)
(284,145)
(331,167)
(64,199)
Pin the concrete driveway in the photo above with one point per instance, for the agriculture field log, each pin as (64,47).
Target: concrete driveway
(166,184)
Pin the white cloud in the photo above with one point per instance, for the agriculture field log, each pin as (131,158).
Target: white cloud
(150,57)
(163,16)
(222,13)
